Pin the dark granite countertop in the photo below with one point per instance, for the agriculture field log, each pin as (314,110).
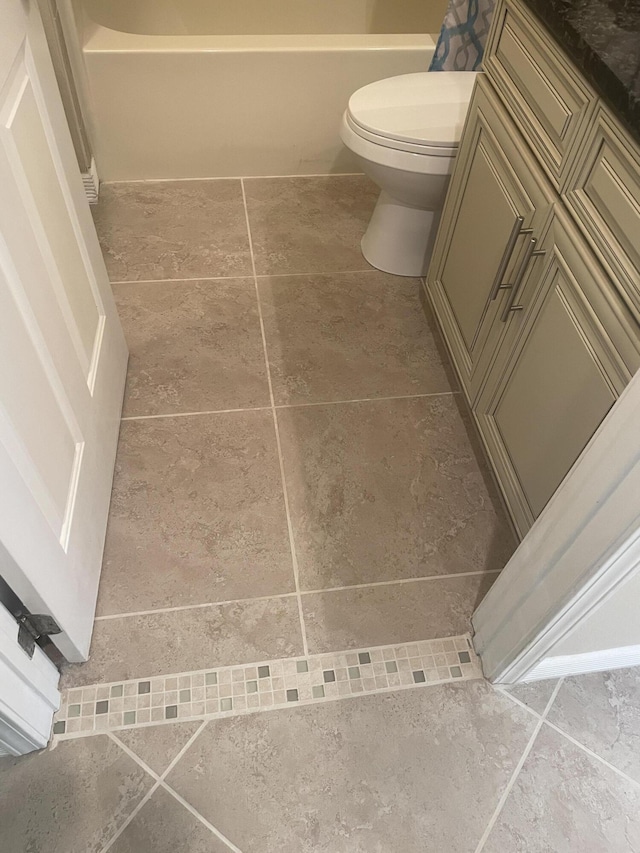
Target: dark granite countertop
(603,39)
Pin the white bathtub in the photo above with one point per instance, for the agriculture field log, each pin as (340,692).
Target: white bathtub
(219,88)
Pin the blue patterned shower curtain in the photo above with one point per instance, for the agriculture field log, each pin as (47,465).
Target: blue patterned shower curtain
(463,35)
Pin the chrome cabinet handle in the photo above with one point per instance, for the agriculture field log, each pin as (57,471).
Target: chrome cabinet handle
(516,231)
(529,253)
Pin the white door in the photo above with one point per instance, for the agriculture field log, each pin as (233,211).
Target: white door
(62,352)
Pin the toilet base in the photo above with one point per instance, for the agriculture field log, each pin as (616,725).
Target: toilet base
(399,238)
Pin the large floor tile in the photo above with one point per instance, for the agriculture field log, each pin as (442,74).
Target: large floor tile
(173,229)
(322,780)
(197,514)
(386,490)
(194,346)
(535,695)
(71,799)
(308,225)
(163,825)
(348,336)
(393,613)
(564,800)
(157,746)
(185,640)
(602,711)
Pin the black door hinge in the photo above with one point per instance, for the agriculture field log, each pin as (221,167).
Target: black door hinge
(32,627)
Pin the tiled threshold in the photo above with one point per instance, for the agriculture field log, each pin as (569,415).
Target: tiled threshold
(269,685)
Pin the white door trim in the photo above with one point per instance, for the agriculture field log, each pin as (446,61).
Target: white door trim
(584,545)
(561,665)
(29,696)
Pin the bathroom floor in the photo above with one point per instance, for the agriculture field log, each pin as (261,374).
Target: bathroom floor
(301,527)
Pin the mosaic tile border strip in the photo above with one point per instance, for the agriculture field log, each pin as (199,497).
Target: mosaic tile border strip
(231,690)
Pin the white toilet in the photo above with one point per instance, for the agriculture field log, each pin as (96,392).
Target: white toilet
(405,131)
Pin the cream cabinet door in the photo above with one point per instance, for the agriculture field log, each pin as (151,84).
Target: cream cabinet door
(62,351)
(497,202)
(563,364)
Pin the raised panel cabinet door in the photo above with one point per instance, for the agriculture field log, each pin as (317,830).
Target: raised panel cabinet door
(498,198)
(574,353)
(62,351)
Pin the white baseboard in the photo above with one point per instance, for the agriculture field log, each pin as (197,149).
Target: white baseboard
(91,183)
(556,667)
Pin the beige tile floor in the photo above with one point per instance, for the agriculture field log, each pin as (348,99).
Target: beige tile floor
(295,471)
(296,475)
(458,768)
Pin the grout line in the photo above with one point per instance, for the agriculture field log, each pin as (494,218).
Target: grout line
(180,607)
(505,692)
(238,178)
(203,278)
(285,494)
(133,755)
(561,731)
(294,557)
(300,592)
(177,758)
(366,400)
(152,773)
(290,406)
(137,809)
(400,581)
(320,274)
(245,276)
(516,772)
(593,754)
(192,414)
(199,817)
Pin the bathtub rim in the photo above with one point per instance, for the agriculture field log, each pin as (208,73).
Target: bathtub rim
(100,39)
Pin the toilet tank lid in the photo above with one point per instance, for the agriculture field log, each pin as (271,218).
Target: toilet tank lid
(428,108)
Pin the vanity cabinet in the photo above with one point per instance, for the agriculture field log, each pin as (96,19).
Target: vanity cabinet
(496,203)
(570,350)
(535,272)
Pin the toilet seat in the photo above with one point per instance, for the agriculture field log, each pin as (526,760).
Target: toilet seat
(419,113)
(392,157)
(399,144)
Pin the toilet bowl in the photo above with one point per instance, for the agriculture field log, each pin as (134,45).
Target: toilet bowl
(405,132)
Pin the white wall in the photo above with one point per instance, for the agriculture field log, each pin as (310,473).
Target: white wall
(615,624)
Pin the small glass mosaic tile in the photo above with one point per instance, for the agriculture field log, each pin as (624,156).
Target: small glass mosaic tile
(231,690)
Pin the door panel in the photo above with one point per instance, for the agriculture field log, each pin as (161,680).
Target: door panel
(478,241)
(45,457)
(564,360)
(62,351)
(34,168)
(556,398)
